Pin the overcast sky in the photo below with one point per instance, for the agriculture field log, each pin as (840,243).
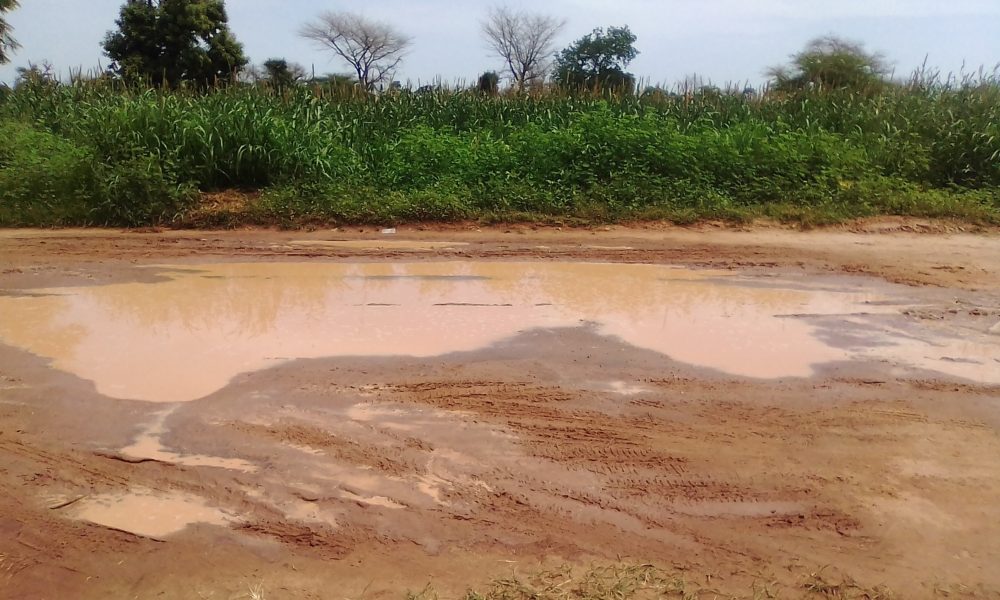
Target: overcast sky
(721,40)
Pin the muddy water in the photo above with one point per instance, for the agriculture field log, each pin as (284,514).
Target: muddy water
(185,337)
(150,513)
(149,445)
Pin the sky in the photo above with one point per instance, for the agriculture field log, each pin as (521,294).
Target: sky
(722,41)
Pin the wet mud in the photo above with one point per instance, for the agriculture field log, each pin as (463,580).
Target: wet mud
(196,426)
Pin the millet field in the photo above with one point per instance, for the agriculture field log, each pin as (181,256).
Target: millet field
(98,153)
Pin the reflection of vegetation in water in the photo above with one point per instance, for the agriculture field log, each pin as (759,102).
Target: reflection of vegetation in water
(634,292)
(39,322)
(186,336)
(239,299)
(249,300)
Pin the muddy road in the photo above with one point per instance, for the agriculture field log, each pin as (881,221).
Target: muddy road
(346,414)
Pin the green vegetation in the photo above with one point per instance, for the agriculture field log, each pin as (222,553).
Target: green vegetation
(97,154)
(831,62)
(169,41)
(179,114)
(598,60)
(489,83)
(7,41)
(281,75)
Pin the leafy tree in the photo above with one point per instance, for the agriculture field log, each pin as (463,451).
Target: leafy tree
(598,60)
(167,42)
(373,49)
(524,42)
(489,83)
(7,42)
(281,74)
(833,63)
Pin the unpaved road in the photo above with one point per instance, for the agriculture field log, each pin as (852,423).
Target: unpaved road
(328,473)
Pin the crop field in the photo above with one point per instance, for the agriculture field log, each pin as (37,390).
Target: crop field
(97,154)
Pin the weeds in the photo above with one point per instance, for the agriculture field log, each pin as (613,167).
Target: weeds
(819,585)
(256,592)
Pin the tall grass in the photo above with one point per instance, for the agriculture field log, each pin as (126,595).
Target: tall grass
(133,156)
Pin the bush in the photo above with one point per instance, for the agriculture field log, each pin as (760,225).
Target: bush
(137,192)
(44,179)
(47,180)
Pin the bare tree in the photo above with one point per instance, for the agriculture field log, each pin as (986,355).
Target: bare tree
(372,48)
(524,41)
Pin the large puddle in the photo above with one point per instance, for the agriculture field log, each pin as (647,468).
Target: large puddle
(186,336)
(154,514)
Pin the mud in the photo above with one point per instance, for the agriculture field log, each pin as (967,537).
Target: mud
(148,446)
(190,414)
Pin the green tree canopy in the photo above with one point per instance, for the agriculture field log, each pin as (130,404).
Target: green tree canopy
(169,41)
(598,60)
(281,74)
(7,41)
(833,63)
(489,83)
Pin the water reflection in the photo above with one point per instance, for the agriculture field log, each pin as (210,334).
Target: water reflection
(187,336)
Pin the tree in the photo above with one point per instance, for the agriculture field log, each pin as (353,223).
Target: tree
(338,80)
(373,49)
(523,41)
(598,61)
(489,83)
(831,62)
(281,74)
(170,41)
(7,42)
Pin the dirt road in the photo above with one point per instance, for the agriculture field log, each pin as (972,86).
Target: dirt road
(346,414)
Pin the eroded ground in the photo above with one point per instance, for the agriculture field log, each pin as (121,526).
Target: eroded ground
(345,414)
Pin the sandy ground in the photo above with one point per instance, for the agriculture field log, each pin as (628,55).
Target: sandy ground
(366,477)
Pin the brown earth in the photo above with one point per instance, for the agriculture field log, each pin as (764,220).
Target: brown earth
(376,476)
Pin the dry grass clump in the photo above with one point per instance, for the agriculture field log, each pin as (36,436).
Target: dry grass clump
(647,582)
